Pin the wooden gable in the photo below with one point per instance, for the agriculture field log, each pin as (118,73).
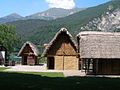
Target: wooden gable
(62,46)
(27,50)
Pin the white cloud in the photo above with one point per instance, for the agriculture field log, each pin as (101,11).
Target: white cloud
(66,4)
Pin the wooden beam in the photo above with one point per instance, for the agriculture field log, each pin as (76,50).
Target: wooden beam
(81,64)
(85,66)
(88,65)
(97,65)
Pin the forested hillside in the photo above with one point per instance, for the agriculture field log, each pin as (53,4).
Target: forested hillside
(41,31)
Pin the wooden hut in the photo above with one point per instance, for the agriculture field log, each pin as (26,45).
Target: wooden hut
(99,52)
(61,52)
(3,55)
(29,54)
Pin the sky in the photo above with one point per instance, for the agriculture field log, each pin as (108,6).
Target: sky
(28,7)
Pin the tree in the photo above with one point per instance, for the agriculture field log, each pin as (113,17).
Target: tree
(8,37)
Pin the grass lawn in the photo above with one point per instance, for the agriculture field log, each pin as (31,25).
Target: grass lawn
(3,68)
(47,74)
(44,81)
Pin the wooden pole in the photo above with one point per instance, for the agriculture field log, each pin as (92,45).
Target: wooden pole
(97,66)
(63,53)
(81,64)
(88,64)
(63,62)
(85,66)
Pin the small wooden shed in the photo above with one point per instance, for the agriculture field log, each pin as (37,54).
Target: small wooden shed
(2,58)
(3,54)
(61,52)
(29,54)
(99,52)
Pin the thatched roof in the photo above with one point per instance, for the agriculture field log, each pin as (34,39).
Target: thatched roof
(99,44)
(32,46)
(55,38)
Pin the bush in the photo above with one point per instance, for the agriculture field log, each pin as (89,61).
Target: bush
(42,60)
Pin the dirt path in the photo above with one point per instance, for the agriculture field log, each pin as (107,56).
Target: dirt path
(25,68)
(73,73)
(42,68)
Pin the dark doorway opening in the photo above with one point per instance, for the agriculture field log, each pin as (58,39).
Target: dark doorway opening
(51,62)
(25,60)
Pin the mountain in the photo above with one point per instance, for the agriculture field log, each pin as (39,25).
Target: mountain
(54,13)
(109,21)
(49,14)
(104,17)
(11,17)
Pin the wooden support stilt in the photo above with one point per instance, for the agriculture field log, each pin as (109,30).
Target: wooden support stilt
(85,66)
(81,64)
(97,66)
(88,64)
(92,65)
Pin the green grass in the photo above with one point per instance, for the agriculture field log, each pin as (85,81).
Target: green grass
(3,68)
(47,74)
(54,81)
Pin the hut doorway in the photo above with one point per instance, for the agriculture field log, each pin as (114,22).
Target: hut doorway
(51,62)
(25,60)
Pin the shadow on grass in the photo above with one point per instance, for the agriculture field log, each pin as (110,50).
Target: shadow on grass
(21,81)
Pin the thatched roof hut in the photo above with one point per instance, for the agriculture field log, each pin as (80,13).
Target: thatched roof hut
(99,44)
(61,52)
(102,49)
(29,53)
(32,46)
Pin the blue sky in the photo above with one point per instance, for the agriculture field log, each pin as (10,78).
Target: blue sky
(28,7)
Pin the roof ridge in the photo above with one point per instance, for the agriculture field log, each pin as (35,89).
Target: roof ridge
(97,33)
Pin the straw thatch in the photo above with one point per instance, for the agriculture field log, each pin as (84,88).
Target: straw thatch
(32,46)
(55,39)
(99,44)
